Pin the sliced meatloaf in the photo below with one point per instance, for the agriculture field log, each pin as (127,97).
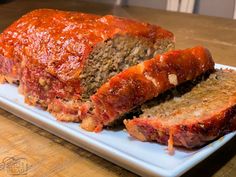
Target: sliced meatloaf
(142,82)
(60,58)
(191,120)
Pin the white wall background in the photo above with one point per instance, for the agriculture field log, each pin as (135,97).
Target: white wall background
(219,8)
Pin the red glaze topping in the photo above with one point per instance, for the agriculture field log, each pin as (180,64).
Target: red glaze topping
(61,41)
(145,81)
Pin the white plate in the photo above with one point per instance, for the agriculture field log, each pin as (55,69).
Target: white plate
(143,158)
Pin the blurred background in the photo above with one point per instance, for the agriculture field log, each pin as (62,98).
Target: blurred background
(194,22)
(217,8)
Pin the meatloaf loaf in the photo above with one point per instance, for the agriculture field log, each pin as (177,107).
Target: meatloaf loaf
(60,58)
(192,119)
(142,82)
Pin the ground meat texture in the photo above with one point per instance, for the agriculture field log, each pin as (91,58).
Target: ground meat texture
(49,53)
(113,56)
(142,82)
(192,119)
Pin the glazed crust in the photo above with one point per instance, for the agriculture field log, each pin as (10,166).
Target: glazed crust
(61,41)
(193,119)
(46,50)
(147,80)
(189,135)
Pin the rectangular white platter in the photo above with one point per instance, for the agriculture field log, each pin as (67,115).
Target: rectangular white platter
(143,158)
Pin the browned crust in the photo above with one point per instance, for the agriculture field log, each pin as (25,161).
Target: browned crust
(2,79)
(58,51)
(142,82)
(8,79)
(190,135)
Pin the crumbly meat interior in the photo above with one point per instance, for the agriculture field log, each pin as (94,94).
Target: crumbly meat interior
(107,59)
(189,116)
(114,55)
(59,56)
(206,98)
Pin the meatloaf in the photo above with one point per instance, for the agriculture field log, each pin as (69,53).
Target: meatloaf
(190,120)
(60,58)
(142,82)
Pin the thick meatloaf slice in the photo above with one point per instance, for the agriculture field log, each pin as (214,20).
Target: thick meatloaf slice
(60,58)
(193,119)
(142,82)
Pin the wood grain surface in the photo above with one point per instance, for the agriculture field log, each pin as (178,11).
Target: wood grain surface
(44,155)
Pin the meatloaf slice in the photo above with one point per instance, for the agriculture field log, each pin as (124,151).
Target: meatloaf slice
(193,119)
(142,82)
(60,58)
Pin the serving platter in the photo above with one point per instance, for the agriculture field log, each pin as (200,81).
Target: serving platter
(143,158)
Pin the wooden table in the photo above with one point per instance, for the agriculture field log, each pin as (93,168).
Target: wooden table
(48,155)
